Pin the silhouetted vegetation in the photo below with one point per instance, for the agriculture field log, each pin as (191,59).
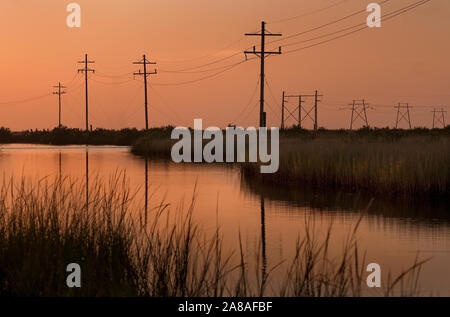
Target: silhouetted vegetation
(390,163)
(66,136)
(45,226)
(385,162)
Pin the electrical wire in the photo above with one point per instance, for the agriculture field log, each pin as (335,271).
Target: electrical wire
(249,102)
(400,11)
(200,79)
(309,13)
(323,25)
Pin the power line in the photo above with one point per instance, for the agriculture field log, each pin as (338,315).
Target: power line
(403,115)
(250,112)
(202,56)
(403,10)
(128,74)
(86,70)
(439,119)
(172,109)
(262,55)
(249,102)
(59,93)
(359,108)
(200,79)
(145,74)
(198,71)
(309,13)
(113,83)
(26,100)
(324,25)
(364,24)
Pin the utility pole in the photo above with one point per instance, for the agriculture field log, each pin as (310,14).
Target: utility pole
(359,108)
(403,115)
(145,62)
(300,100)
(86,70)
(262,55)
(300,107)
(439,119)
(282,111)
(59,93)
(316,101)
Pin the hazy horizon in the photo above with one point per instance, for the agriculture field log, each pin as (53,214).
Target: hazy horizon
(404,61)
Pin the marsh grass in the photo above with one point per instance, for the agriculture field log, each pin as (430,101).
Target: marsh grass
(45,225)
(388,163)
(410,167)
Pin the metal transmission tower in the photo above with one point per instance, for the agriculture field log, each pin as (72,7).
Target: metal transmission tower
(403,115)
(145,62)
(438,119)
(301,108)
(359,108)
(59,93)
(86,70)
(262,55)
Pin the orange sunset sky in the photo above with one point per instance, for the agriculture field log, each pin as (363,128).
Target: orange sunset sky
(407,60)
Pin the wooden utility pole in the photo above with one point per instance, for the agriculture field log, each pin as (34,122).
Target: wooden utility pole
(59,93)
(262,55)
(86,70)
(145,62)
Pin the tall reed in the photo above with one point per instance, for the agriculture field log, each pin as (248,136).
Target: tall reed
(45,225)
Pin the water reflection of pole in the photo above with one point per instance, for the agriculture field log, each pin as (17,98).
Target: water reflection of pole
(146,190)
(60,166)
(263,240)
(87,179)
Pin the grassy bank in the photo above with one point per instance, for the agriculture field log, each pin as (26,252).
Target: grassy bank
(383,162)
(411,166)
(45,226)
(66,136)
